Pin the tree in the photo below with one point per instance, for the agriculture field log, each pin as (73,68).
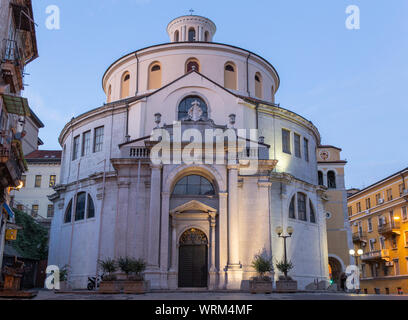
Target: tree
(32,240)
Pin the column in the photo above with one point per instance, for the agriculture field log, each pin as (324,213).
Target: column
(223,238)
(164,245)
(121,222)
(234,267)
(212,247)
(154,225)
(173,265)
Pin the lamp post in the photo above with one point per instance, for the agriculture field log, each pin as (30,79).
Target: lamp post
(279,231)
(356,255)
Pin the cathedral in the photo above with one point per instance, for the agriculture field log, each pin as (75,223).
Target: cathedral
(124,191)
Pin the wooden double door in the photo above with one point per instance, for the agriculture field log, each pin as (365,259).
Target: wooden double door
(193,260)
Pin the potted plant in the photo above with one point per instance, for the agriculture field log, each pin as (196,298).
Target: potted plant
(263,266)
(108,283)
(63,278)
(285,282)
(133,268)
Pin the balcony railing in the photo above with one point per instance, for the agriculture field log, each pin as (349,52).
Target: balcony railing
(10,51)
(375,255)
(389,228)
(359,237)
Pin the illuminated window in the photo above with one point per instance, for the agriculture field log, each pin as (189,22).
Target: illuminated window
(53,180)
(124,90)
(34,210)
(194,185)
(230,77)
(50,211)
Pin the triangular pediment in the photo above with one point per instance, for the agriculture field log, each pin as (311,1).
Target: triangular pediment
(193,205)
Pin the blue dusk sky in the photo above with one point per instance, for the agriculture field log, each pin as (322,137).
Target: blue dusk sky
(352,84)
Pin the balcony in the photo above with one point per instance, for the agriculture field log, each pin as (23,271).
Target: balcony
(359,237)
(376,255)
(12,65)
(389,228)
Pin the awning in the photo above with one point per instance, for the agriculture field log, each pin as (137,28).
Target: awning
(16,105)
(8,210)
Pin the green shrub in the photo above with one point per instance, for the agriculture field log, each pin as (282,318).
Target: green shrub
(262,264)
(284,267)
(63,273)
(108,266)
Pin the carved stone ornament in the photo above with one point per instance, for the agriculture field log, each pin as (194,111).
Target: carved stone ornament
(195,112)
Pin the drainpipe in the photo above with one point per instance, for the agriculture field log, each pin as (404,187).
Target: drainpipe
(247,74)
(137,74)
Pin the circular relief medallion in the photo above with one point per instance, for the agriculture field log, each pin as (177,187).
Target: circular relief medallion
(324,154)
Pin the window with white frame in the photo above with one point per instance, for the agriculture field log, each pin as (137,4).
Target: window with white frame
(75,151)
(86,143)
(382,243)
(98,139)
(372,244)
(369,225)
(297,145)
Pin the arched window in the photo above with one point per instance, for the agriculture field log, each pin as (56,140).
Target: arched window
(312,212)
(331,180)
(194,185)
(80,206)
(206,36)
(109,94)
(176,36)
(90,208)
(192,64)
(301,203)
(292,214)
(68,213)
(187,103)
(230,77)
(191,34)
(155,77)
(124,90)
(320,178)
(258,85)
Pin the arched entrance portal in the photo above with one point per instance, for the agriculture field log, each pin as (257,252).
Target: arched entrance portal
(193,257)
(335,271)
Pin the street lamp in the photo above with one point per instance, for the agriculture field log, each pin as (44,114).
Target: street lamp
(279,231)
(356,255)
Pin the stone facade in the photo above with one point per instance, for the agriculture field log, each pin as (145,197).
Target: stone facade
(137,211)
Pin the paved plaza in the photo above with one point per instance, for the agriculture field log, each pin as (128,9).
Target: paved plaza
(179,296)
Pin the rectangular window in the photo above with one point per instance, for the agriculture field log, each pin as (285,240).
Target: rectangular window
(358,207)
(50,211)
(297,146)
(37,183)
(406,239)
(306,148)
(98,139)
(372,246)
(370,225)
(52,181)
(401,188)
(350,211)
(377,198)
(286,141)
(34,210)
(389,194)
(396,267)
(368,203)
(363,270)
(86,143)
(75,151)
(382,243)
(404,213)
(24,179)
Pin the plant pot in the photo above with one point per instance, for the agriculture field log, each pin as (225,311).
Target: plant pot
(260,286)
(286,286)
(134,287)
(109,287)
(63,286)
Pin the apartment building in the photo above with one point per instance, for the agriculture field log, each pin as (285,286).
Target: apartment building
(379,221)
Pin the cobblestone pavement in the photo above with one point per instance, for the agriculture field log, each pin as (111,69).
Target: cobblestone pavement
(50,295)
